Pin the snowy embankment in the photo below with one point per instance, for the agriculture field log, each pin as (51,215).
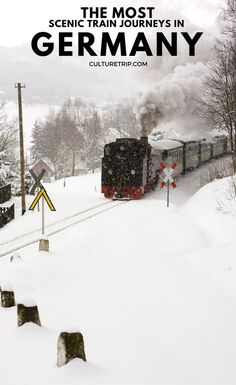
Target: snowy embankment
(151,288)
(79,195)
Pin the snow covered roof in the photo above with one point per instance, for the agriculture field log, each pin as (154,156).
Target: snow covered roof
(114,133)
(165,144)
(155,135)
(47,161)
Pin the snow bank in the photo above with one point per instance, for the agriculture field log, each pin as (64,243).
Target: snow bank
(28,302)
(151,288)
(6,286)
(207,210)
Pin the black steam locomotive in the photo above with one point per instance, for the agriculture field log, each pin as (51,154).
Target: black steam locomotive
(131,167)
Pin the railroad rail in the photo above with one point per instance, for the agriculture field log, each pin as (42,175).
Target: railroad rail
(56,227)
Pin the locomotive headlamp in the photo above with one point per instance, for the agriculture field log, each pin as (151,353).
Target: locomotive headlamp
(110,171)
(132,172)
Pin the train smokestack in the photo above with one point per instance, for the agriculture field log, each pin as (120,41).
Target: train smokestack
(144,138)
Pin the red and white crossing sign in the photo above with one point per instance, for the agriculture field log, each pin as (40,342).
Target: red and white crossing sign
(168,174)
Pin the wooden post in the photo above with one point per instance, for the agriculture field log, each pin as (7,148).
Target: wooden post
(27,314)
(168,193)
(70,346)
(22,158)
(15,258)
(37,191)
(7,297)
(44,243)
(43,217)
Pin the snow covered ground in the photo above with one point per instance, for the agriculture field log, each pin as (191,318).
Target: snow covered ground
(151,288)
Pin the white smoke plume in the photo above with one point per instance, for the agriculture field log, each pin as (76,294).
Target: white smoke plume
(173,99)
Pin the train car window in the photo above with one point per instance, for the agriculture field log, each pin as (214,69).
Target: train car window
(107,151)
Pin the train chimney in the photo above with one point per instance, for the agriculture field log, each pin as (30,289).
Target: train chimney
(144,138)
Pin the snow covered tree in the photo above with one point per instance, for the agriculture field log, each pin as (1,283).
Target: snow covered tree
(83,131)
(219,96)
(3,179)
(45,138)
(58,139)
(8,135)
(77,131)
(95,141)
(71,135)
(37,148)
(228,18)
(121,116)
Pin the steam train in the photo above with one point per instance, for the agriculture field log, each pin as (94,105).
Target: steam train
(131,166)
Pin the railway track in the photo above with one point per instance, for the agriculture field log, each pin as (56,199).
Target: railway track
(32,237)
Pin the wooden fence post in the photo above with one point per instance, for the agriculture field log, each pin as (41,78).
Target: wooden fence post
(27,311)
(7,296)
(70,346)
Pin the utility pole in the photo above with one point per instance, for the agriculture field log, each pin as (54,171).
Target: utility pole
(22,159)
(168,193)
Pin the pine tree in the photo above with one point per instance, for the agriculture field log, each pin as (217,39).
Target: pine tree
(95,141)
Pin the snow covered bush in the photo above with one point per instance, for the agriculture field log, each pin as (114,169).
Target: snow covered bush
(2,177)
(227,204)
(217,170)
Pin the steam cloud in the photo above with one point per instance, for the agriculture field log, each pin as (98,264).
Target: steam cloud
(174,98)
(149,117)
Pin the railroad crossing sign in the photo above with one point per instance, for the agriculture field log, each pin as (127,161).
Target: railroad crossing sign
(42,193)
(168,179)
(37,179)
(168,173)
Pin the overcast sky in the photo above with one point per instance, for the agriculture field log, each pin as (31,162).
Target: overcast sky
(20,20)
